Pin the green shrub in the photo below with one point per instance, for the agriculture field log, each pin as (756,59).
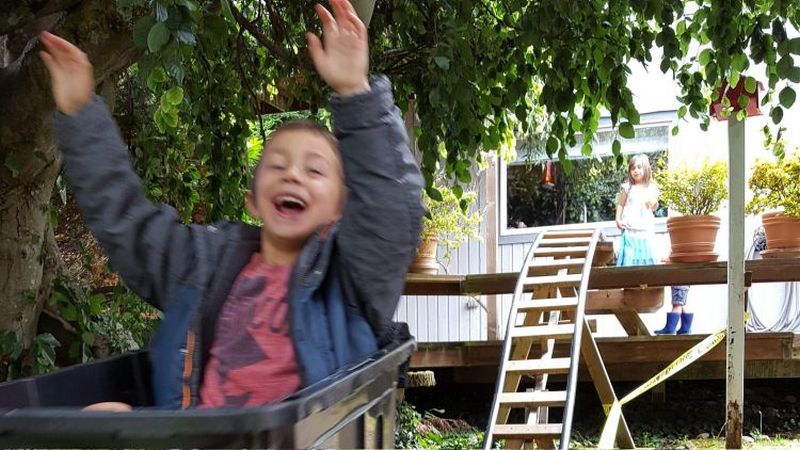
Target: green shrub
(451,220)
(694,190)
(775,186)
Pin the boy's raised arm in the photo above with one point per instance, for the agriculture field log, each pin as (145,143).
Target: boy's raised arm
(145,243)
(382,217)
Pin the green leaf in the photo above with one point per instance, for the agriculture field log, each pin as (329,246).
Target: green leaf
(185,36)
(156,77)
(433,97)
(157,37)
(141,29)
(69,313)
(733,78)
(174,96)
(743,101)
(682,112)
(158,119)
(794,75)
(442,62)
(794,45)
(633,116)
(217,26)
(176,70)
(88,337)
(675,130)
(705,56)
(171,118)
(777,115)
(162,14)
(787,97)
(626,130)
(784,66)
(226,11)
(188,4)
(750,85)
(739,62)
(434,193)
(96,304)
(552,145)
(616,147)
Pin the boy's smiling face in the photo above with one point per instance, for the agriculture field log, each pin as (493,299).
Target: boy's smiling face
(299,186)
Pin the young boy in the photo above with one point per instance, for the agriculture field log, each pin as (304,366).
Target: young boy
(251,315)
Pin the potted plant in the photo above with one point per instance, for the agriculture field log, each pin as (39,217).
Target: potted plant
(695,192)
(449,222)
(776,196)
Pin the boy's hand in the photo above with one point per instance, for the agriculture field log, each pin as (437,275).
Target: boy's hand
(344,60)
(71,73)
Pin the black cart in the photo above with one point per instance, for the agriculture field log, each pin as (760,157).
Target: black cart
(354,408)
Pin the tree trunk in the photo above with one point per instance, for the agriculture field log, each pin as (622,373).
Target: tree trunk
(29,161)
(28,168)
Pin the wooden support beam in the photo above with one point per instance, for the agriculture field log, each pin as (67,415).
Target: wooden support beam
(613,301)
(700,370)
(632,323)
(492,218)
(617,350)
(763,270)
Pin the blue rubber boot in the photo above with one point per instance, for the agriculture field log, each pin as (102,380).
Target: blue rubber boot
(686,323)
(672,323)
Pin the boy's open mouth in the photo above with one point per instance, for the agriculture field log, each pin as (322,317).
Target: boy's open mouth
(289,205)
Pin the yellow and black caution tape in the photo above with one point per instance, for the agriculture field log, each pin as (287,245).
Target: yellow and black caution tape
(614,411)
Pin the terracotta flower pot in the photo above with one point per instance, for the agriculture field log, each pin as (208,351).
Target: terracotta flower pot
(783,235)
(425,259)
(692,238)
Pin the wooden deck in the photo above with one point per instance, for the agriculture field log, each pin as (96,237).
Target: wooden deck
(761,271)
(636,357)
(633,358)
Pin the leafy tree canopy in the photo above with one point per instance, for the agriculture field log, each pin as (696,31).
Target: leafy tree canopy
(471,66)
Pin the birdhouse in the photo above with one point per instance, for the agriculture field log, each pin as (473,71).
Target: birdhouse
(733,95)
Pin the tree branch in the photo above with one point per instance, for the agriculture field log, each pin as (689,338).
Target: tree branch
(264,40)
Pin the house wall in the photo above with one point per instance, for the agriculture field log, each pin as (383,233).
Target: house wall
(452,318)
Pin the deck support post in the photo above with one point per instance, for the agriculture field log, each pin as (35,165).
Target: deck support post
(735,338)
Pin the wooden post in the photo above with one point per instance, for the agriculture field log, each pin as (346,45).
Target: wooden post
(491,218)
(736,330)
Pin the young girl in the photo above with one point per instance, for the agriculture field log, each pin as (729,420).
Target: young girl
(638,198)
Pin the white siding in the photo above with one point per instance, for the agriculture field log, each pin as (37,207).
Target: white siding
(451,318)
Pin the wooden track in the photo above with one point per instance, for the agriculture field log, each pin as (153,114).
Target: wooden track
(548,307)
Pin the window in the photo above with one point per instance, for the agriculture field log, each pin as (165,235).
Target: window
(536,192)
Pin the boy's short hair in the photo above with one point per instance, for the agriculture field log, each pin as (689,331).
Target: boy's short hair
(297,125)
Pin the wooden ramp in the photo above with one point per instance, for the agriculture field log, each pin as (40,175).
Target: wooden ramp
(548,306)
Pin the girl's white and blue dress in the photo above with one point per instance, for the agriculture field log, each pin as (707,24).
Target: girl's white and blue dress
(638,224)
